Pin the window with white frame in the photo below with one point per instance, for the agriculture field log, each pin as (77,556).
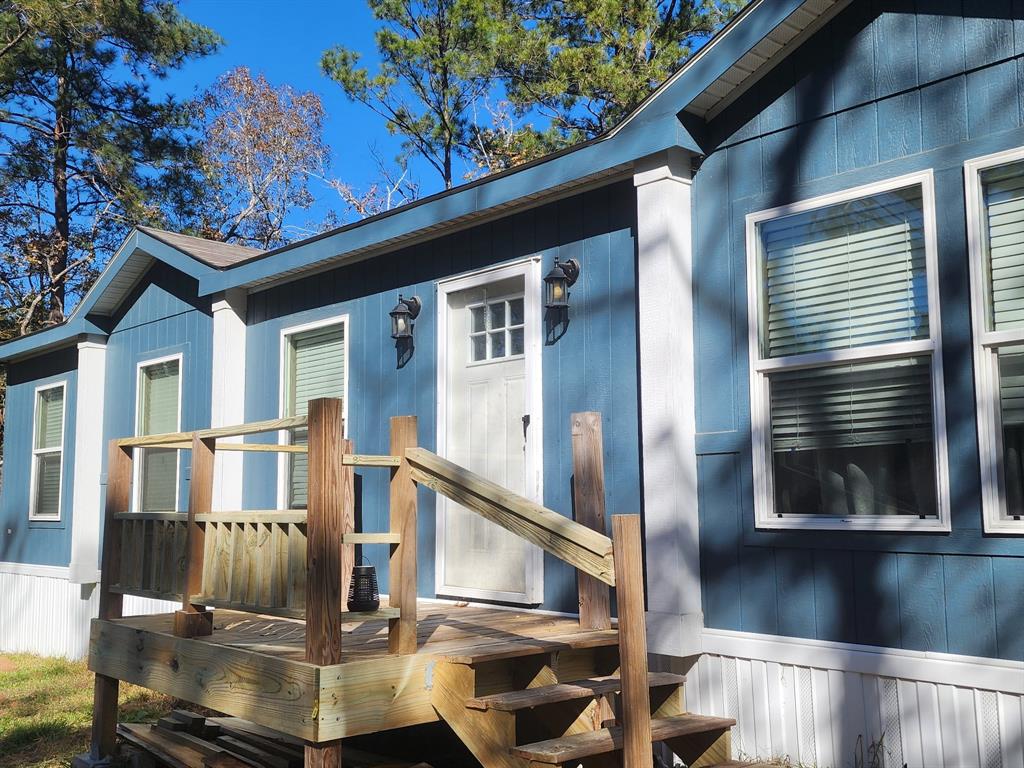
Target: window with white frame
(158,411)
(995,205)
(846,381)
(496,329)
(314,366)
(47,453)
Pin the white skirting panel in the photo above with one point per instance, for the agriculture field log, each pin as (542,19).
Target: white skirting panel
(831,718)
(49,616)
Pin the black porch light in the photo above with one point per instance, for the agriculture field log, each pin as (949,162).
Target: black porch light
(557,283)
(405,311)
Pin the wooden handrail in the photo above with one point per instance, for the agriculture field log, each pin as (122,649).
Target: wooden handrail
(184,439)
(581,547)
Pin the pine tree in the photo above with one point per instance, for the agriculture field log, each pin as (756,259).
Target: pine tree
(83,144)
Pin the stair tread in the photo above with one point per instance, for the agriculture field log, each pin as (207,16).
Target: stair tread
(513,701)
(604,740)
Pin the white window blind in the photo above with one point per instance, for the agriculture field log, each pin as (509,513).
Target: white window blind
(316,368)
(862,404)
(845,276)
(159,386)
(1003,193)
(47,452)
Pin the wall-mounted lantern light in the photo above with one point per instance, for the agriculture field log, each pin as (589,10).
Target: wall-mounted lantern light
(557,283)
(405,311)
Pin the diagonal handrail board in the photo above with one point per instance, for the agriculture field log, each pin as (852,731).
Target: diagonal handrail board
(173,439)
(581,547)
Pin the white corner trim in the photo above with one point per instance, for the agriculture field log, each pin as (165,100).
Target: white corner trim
(39,571)
(763,477)
(986,345)
(923,666)
(89,451)
(227,392)
(668,395)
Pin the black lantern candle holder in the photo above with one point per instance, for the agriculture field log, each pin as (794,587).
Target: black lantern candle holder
(363,594)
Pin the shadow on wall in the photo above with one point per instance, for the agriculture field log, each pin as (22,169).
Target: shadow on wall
(875,589)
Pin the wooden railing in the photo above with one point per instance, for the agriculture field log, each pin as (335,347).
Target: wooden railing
(297,563)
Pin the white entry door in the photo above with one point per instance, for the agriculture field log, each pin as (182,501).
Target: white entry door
(491,349)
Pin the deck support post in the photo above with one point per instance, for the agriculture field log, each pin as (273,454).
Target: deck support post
(402,566)
(196,620)
(589,510)
(104,712)
(330,489)
(635,713)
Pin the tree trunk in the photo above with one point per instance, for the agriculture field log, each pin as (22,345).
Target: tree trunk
(58,257)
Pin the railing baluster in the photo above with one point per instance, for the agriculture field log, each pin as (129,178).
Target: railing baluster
(195,620)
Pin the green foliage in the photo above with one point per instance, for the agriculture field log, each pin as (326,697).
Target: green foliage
(584,64)
(82,144)
(436,60)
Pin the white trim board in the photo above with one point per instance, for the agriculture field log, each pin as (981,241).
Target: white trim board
(986,345)
(529,269)
(39,571)
(760,404)
(923,666)
(87,495)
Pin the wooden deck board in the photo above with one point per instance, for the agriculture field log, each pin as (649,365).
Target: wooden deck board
(234,669)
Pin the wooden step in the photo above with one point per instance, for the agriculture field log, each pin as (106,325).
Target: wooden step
(605,740)
(513,701)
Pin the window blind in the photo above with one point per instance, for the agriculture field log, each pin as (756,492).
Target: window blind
(860,404)
(1011,385)
(845,276)
(1003,193)
(159,414)
(49,437)
(316,369)
(50,418)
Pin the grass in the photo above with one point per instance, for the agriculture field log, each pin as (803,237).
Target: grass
(46,710)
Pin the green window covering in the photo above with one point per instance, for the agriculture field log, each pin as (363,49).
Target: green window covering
(48,453)
(159,386)
(846,275)
(315,368)
(1003,199)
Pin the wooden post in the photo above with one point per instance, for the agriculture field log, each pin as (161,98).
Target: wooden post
(196,620)
(588,510)
(119,483)
(629,589)
(324,528)
(402,566)
(348,521)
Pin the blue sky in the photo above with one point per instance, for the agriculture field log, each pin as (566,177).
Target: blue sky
(284,41)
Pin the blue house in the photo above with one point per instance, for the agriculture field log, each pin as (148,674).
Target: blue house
(799,309)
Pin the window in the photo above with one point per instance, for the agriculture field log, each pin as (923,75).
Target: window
(47,453)
(496,329)
(995,207)
(314,366)
(158,411)
(846,381)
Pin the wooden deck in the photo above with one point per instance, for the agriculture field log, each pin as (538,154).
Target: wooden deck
(254,666)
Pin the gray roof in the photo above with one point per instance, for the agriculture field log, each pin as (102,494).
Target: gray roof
(210,252)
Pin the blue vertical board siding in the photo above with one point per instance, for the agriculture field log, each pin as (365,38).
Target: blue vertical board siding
(162,316)
(904,87)
(21,540)
(591,367)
